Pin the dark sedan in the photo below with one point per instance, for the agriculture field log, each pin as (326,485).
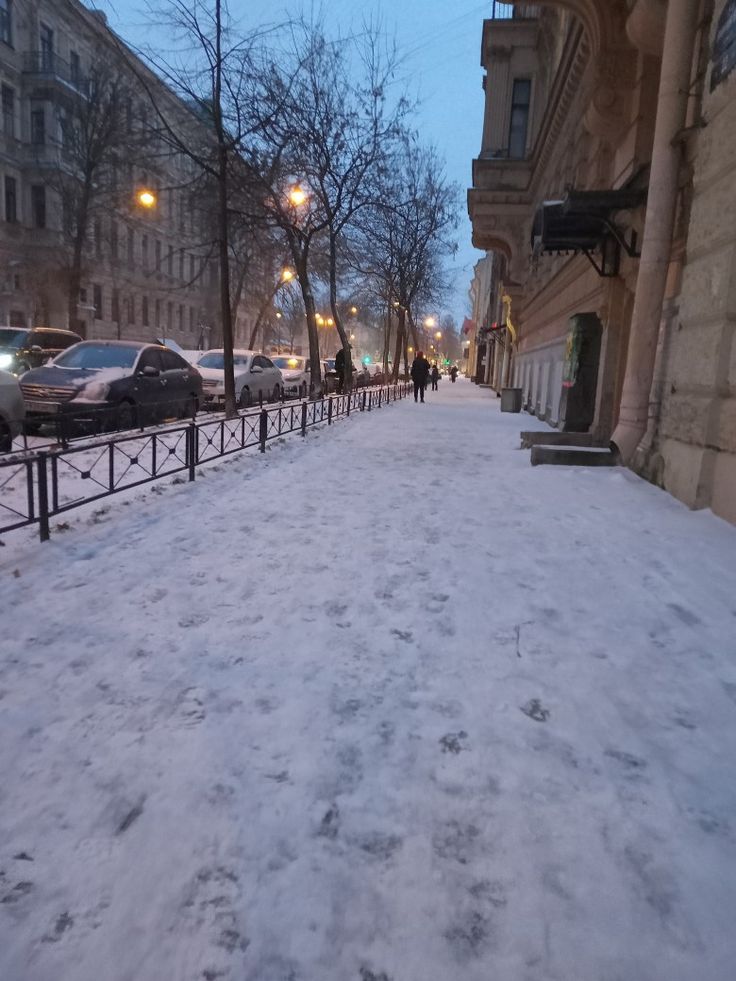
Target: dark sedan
(112,385)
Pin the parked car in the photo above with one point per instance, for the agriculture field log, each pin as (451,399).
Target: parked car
(118,384)
(361,375)
(255,375)
(296,372)
(23,348)
(376,372)
(12,410)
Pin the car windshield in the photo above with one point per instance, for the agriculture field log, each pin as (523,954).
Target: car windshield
(216,359)
(289,363)
(91,355)
(11,337)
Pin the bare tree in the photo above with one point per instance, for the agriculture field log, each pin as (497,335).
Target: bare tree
(96,134)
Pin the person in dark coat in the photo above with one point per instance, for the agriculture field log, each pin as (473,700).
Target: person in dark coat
(340,369)
(453,372)
(435,376)
(419,375)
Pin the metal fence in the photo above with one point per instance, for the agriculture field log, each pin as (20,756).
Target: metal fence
(51,482)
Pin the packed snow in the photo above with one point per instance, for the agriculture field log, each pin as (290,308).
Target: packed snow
(383,704)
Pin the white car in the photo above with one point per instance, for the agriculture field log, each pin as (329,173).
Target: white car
(12,410)
(296,373)
(255,375)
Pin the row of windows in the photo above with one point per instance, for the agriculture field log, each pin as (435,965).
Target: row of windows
(132,309)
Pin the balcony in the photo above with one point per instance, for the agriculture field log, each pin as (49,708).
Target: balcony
(513,11)
(48,65)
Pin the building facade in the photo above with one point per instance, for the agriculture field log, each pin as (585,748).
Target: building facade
(604,184)
(106,264)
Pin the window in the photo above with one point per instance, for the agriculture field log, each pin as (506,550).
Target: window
(157,318)
(144,252)
(38,126)
(115,307)
(131,309)
(170,262)
(8,108)
(172,361)
(6,21)
(169,316)
(191,319)
(98,238)
(181,318)
(38,205)
(192,276)
(150,358)
(97,300)
(75,72)
(144,311)
(46,40)
(181,266)
(11,200)
(131,247)
(113,239)
(158,256)
(520,100)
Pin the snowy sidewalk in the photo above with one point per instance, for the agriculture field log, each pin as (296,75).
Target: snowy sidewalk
(387,704)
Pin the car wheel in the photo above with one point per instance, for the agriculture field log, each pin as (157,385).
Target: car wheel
(6,440)
(245,397)
(191,407)
(127,416)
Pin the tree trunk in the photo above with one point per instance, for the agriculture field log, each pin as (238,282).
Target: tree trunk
(75,273)
(387,341)
(348,379)
(400,330)
(222,225)
(302,274)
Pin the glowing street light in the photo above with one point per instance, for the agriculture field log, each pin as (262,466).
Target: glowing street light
(429,322)
(438,335)
(320,319)
(146,198)
(353,310)
(330,322)
(297,195)
(286,275)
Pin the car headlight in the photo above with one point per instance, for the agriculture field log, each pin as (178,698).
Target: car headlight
(6,360)
(94,392)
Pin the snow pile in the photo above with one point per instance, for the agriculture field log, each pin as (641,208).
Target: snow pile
(385,703)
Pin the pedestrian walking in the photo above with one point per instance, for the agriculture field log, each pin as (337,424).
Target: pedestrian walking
(435,376)
(340,369)
(419,375)
(453,373)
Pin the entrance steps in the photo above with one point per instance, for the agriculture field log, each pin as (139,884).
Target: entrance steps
(573,456)
(554,437)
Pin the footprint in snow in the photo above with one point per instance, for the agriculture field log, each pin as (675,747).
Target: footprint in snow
(405,635)
(535,710)
(452,742)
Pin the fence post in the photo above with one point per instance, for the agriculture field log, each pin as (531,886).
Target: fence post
(362,404)
(380,390)
(350,399)
(43,498)
(304,418)
(191,449)
(263,429)
(329,411)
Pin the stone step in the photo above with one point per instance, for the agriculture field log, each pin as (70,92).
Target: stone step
(530,437)
(573,456)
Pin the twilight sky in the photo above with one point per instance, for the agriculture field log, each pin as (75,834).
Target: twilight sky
(440,42)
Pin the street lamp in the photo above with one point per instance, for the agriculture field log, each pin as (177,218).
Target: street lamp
(146,198)
(297,195)
(286,275)
(429,322)
(353,310)
(438,335)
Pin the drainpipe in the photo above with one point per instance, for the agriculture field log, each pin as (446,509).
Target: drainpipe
(679,38)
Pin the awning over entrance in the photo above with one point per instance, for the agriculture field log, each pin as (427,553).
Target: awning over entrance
(582,222)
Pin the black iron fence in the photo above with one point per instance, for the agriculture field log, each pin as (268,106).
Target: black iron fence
(48,483)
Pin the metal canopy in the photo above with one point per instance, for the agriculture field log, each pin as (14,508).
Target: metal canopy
(582,223)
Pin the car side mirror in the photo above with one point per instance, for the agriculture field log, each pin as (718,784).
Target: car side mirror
(149,371)
(256,369)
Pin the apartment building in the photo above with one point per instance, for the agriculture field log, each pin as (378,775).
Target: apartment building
(604,185)
(145,266)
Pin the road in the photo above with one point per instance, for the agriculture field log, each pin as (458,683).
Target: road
(383,704)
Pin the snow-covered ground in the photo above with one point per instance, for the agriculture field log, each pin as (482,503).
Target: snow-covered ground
(385,704)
